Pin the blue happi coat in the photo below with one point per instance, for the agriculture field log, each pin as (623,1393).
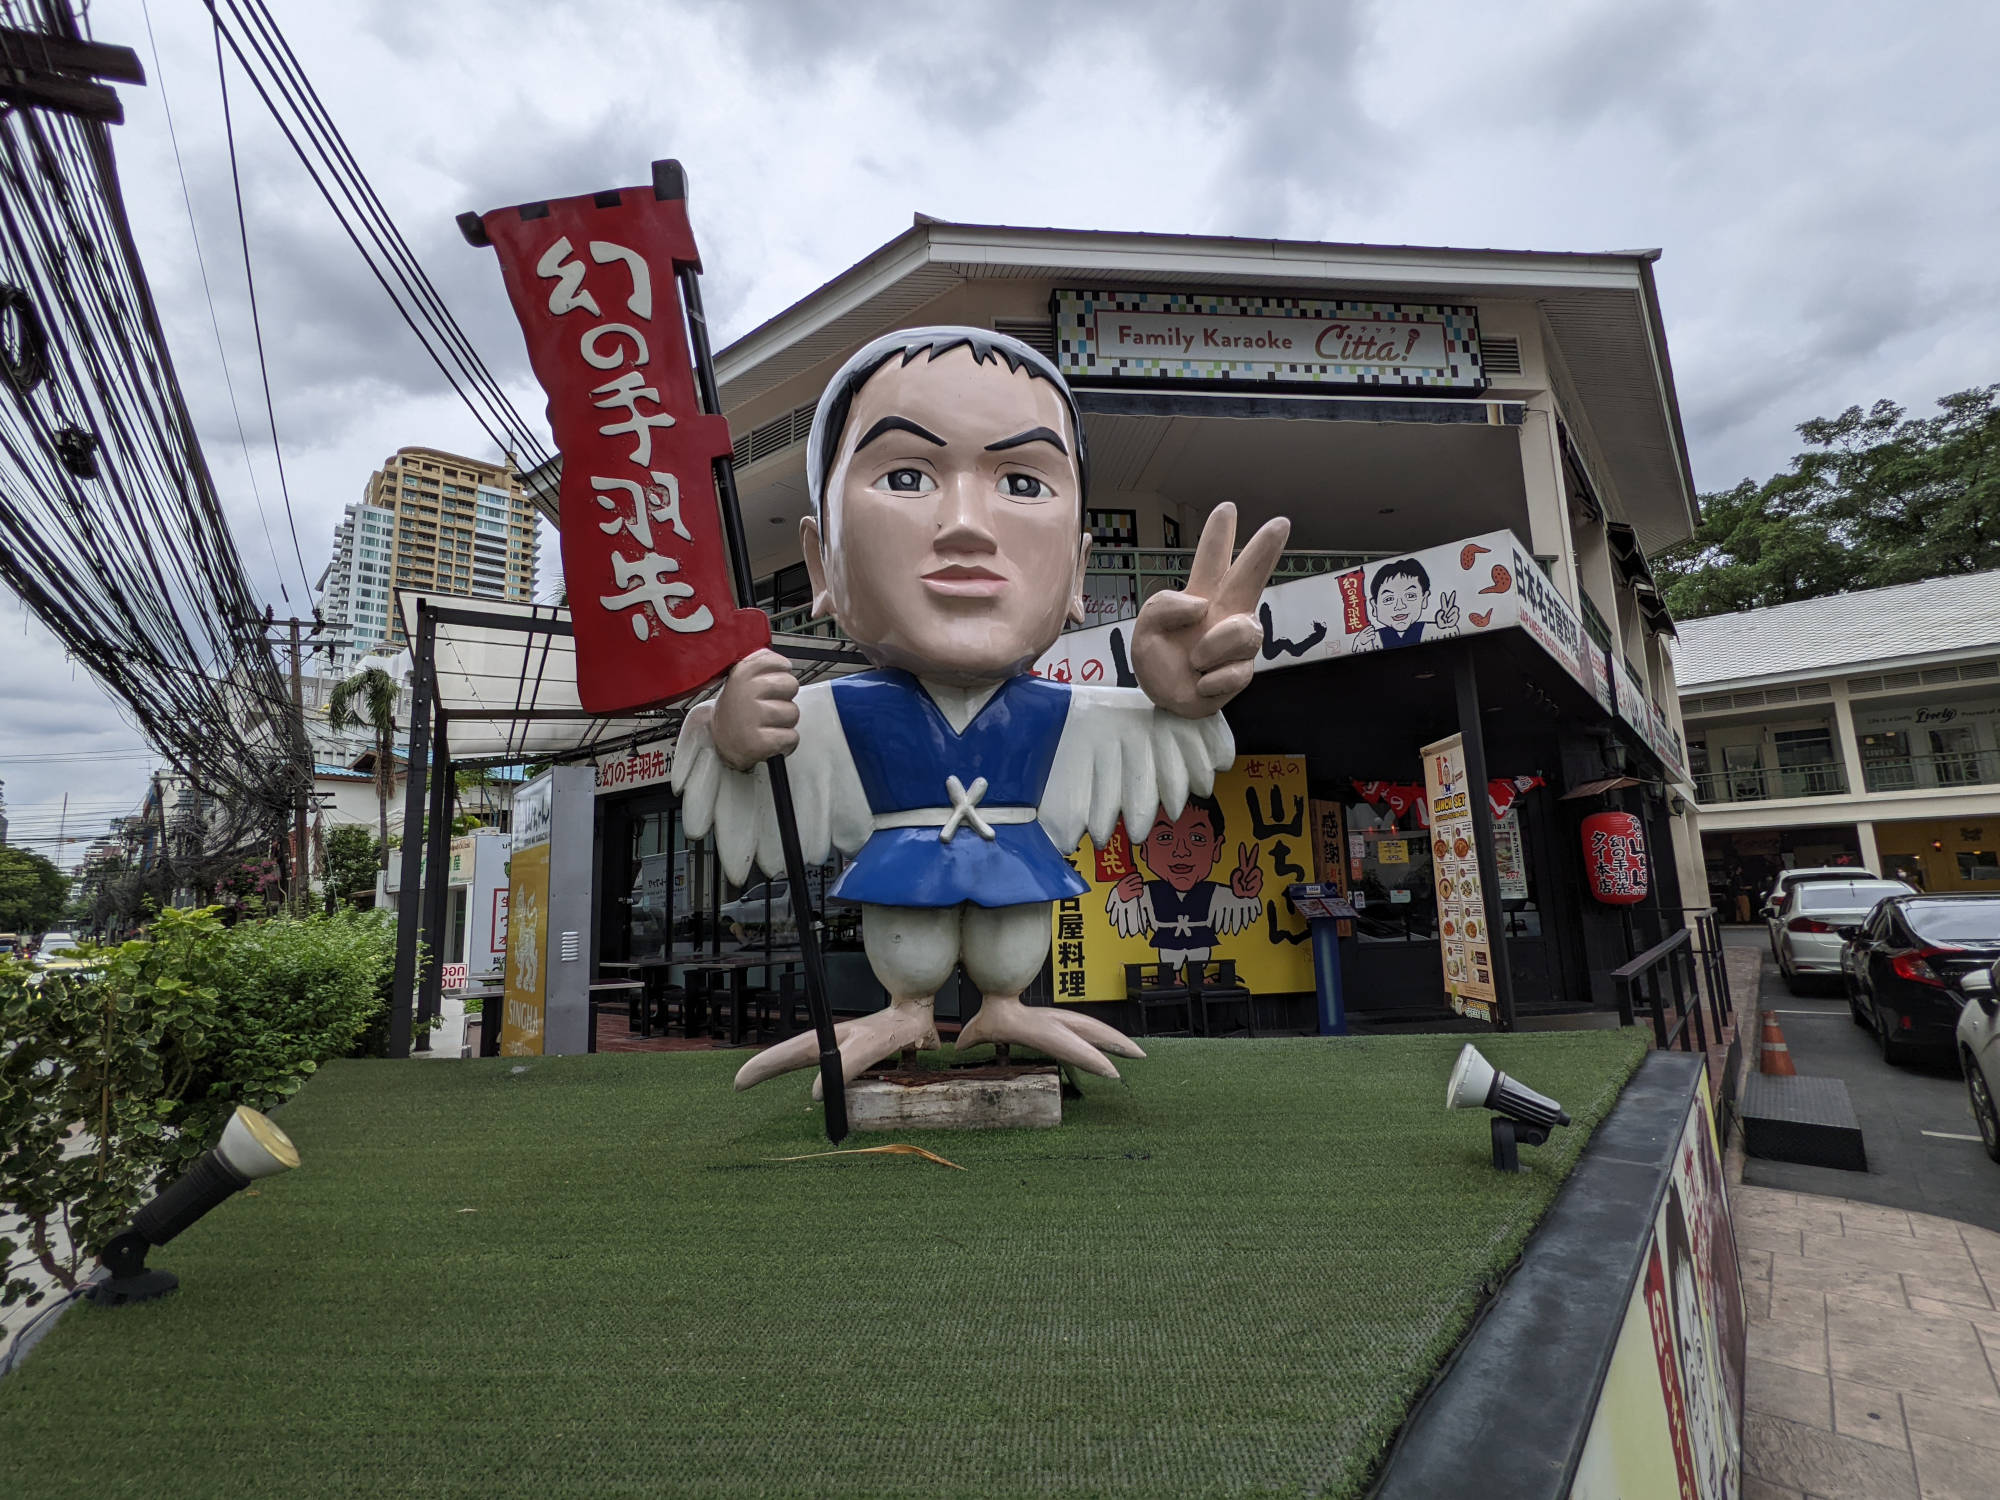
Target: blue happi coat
(904,749)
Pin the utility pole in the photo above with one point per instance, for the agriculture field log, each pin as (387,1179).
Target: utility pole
(301,855)
(299,897)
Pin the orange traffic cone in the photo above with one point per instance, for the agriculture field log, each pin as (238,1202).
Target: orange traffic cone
(1774,1058)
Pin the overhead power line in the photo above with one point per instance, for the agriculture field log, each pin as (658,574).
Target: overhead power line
(274,70)
(110,527)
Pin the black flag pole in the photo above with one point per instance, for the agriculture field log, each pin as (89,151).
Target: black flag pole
(670,181)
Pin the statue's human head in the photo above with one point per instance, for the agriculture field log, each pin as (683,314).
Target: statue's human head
(947,477)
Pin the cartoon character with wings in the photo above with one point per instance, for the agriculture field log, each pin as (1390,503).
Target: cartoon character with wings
(1181,908)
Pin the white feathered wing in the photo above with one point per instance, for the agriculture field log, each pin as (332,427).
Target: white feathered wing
(826,792)
(1120,756)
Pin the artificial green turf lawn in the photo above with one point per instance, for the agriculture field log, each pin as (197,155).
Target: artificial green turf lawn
(1228,1274)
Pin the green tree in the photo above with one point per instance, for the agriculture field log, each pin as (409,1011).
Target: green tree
(32,891)
(350,863)
(367,700)
(1879,498)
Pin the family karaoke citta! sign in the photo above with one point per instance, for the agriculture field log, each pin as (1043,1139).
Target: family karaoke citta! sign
(1274,340)
(595,283)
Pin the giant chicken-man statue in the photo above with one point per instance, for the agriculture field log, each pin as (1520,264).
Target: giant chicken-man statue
(947,473)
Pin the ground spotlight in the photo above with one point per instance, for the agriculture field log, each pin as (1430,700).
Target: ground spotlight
(1521,1117)
(251,1147)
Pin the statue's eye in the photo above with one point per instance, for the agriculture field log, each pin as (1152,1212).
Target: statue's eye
(908,481)
(1024,487)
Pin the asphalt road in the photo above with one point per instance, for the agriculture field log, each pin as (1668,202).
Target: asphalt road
(1923,1147)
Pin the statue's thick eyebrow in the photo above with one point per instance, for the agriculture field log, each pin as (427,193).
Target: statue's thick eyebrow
(897,424)
(1032,435)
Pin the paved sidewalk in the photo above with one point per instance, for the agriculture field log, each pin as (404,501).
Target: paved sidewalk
(1873,1344)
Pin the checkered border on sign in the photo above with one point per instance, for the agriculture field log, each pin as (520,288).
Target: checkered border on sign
(1076,354)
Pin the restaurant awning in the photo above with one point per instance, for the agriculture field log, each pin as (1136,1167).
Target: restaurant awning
(505,680)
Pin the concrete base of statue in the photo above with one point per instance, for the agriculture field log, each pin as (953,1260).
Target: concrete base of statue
(996,1096)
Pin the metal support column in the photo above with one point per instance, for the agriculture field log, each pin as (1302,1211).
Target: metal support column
(437,882)
(1472,733)
(403,997)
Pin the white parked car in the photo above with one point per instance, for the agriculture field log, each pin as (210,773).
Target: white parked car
(1808,939)
(1774,899)
(1979,1050)
(749,912)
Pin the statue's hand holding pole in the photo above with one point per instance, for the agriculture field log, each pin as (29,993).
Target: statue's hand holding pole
(1194,649)
(756,715)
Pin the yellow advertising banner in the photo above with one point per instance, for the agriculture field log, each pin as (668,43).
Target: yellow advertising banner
(1468,961)
(1207,885)
(527,952)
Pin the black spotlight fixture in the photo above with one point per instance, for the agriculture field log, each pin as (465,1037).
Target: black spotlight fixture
(251,1147)
(1521,1117)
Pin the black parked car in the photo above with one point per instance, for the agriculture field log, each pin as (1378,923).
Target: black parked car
(1903,968)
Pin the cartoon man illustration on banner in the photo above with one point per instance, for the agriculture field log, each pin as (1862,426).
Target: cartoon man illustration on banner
(1399,601)
(1181,908)
(947,479)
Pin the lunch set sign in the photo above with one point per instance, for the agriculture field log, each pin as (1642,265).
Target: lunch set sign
(1278,340)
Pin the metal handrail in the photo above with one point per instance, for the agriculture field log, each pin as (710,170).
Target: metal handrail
(1945,769)
(1640,979)
(1689,963)
(1146,570)
(1827,779)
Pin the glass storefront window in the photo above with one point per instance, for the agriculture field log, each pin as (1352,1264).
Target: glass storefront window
(1397,884)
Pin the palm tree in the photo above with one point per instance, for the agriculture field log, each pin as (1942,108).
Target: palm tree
(367,700)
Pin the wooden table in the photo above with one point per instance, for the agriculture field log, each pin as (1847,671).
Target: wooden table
(731,971)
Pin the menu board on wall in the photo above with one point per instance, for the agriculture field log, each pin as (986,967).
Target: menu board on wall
(1461,902)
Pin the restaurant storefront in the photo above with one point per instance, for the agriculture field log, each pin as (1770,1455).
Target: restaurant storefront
(1475,450)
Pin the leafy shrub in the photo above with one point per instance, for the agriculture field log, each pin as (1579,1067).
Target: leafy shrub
(147,1055)
(294,992)
(112,1054)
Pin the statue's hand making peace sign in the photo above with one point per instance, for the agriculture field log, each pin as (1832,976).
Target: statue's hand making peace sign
(1194,649)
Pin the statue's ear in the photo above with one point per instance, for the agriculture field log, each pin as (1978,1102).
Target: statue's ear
(1076,612)
(815,558)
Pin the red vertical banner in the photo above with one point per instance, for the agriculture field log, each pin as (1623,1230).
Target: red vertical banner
(593,282)
(1353,602)
(1114,860)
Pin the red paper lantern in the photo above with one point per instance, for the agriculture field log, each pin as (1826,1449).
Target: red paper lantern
(1614,848)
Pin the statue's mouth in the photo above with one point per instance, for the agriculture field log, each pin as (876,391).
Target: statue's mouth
(964,581)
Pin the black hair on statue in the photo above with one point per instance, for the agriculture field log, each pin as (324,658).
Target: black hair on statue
(830,419)
(1405,567)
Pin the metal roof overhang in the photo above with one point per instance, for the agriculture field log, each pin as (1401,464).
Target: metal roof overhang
(506,681)
(1602,309)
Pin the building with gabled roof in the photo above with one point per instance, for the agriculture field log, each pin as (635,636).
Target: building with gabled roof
(1858,728)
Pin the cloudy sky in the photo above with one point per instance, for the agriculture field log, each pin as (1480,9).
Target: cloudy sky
(1820,177)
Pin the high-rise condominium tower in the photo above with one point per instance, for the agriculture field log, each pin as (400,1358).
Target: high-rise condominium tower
(430,521)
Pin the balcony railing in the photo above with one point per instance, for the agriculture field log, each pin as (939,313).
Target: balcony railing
(1120,579)
(1923,772)
(1759,784)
